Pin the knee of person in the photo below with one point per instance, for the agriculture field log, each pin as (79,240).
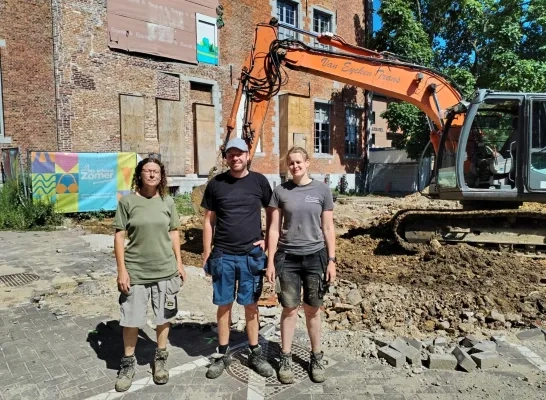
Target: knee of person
(310,311)
(225,308)
(290,311)
(251,308)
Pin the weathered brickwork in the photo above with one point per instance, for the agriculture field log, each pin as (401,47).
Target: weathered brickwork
(27,74)
(90,78)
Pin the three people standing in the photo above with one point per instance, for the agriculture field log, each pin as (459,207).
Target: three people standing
(301,255)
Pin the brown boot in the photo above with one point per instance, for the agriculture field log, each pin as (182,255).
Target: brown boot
(161,373)
(126,373)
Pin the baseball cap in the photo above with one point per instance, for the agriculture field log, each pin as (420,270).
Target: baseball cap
(237,143)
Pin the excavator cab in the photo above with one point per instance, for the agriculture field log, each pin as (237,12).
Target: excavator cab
(499,152)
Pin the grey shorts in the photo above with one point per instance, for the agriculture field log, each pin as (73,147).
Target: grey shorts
(134,306)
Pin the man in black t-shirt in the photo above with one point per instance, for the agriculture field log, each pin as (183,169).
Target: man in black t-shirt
(232,203)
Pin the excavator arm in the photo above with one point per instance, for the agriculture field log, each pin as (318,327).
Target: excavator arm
(263,76)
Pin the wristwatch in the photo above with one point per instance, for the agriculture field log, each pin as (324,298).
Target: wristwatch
(332,259)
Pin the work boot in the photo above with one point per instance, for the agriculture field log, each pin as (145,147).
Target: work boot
(317,371)
(126,373)
(258,363)
(219,363)
(161,373)
(286,374)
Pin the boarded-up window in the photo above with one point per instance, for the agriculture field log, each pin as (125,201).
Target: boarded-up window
(131,110)
(205,138)
(170,127)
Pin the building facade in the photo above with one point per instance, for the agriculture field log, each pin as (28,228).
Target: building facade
(106,76)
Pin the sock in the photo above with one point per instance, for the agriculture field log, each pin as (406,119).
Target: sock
(252,347)
(163,349)
(222,348)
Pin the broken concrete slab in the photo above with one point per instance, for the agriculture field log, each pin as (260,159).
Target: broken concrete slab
(464,361)
(413,342)
(440,341)
(531,335)
(442,361)
(413,356)
(392,356)
(469,341)
(488,359)
(482,347)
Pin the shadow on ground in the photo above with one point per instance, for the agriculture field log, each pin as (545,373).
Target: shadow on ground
(194,339)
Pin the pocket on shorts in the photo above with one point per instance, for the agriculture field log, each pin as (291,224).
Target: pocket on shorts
(171,299)
(278,261)
(214,264)
(257,261)
(124,297)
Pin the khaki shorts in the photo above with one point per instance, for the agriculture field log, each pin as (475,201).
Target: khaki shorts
(134,306)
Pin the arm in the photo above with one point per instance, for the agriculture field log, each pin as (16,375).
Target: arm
(330,237)
(124,282)
(208,230)
(175,239)
(273,233)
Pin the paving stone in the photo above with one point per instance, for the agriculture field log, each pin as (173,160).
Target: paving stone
(413,356)
(484,346)
(440,341)
(531,335)
(442,361)
(414,343)
(486,359)
(464,361)
(393,357)
(469,341)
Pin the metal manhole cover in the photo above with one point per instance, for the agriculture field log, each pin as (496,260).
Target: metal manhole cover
(270,386)
(21,279)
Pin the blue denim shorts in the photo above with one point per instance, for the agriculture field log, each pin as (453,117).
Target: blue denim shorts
(236,274)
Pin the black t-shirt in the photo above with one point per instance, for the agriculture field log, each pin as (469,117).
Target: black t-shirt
(237,203)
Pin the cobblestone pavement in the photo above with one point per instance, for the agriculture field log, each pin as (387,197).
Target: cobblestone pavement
(49,356)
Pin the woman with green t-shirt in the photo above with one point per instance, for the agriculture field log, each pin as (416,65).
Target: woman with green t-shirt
(149,267)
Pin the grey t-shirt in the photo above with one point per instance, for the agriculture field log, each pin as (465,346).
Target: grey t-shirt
(302,207)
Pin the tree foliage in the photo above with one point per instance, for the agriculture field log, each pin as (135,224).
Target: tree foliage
(495,44)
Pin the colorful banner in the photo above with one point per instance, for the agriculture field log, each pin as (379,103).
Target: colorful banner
(82,182)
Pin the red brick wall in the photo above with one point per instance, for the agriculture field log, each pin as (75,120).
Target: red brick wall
(27,74)
(90,78)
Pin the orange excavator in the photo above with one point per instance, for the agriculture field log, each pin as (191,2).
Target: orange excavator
(489,151)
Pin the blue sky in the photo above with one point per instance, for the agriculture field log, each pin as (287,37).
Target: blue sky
(376,19)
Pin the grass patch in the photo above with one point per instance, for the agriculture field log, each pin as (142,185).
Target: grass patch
(20,212)
(183,204)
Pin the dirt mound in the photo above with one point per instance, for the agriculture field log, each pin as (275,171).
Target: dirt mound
(453,288)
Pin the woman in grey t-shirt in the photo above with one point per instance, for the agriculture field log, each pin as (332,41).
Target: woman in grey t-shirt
(301,246)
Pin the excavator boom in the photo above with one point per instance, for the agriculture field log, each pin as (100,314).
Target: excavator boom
(470,163)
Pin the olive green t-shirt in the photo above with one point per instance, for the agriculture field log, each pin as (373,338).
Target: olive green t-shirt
(149,256)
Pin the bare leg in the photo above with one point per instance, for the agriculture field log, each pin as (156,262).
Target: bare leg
(223,318)
(162,333)
(289,319)
(130,337)
(252,323)
(312,319)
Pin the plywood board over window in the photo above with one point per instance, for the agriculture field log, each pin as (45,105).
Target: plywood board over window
(131,110)
(205,135)
(170,127)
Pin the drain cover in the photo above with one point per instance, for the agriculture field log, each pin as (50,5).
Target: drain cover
(21,279)
(270,386)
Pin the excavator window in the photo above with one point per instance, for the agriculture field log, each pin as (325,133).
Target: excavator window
(491,146)
(537,173)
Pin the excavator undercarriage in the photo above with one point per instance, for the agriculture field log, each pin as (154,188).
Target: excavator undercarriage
(511,230)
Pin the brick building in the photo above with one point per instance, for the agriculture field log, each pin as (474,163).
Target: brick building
(72,81)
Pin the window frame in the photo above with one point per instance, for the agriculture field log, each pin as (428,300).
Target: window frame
(358,150)
(328,107)
(326,13)
(296,24)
